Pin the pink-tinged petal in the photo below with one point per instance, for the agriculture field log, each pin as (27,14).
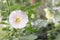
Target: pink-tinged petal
(21,15)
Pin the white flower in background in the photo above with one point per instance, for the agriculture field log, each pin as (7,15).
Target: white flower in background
(18,19)
(56,8)
(32,16)
(49,14)
(4,1)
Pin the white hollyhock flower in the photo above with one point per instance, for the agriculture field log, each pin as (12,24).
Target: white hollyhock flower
(18,19)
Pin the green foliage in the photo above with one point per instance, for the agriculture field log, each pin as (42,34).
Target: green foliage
(35,27)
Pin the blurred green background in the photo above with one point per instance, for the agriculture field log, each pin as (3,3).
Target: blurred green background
(39,26)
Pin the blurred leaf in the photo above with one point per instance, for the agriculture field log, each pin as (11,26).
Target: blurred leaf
(58,37)
(30,29)
(57,16)
(28,37)
(2,33)
(14,7)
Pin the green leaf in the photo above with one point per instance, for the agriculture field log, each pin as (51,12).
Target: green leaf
(58,37)
(28,37)
(2,33)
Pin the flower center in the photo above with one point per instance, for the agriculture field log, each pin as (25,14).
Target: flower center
(17,20)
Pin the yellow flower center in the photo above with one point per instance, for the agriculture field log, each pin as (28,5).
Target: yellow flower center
(17,20)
